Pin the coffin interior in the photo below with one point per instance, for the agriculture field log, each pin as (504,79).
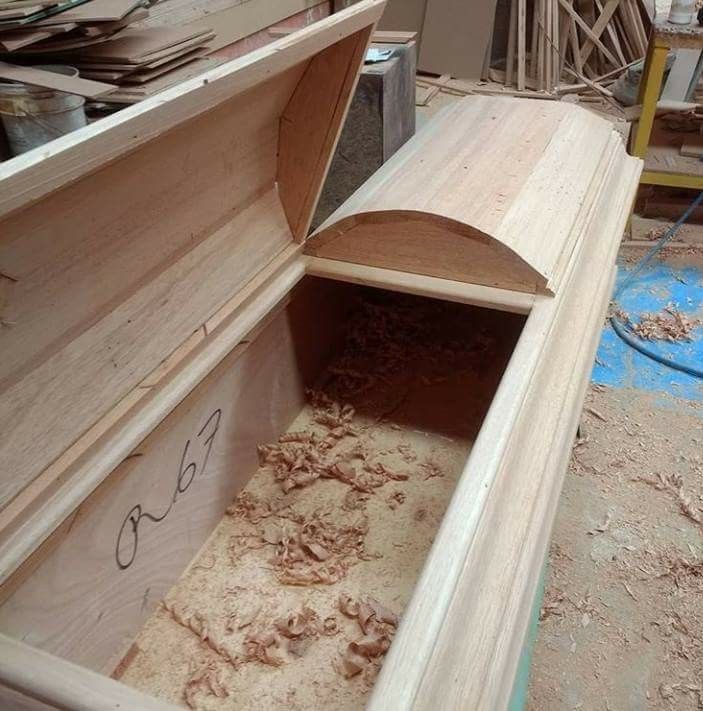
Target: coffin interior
(131,540)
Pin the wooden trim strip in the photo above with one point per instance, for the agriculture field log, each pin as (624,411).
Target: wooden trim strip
(518,302)
(43,677)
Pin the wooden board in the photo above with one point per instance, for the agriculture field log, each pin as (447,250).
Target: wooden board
(53,80)
(421,285)
(95,11)
(404,15)
(23,38)
(133,45)
(455,36)
(311,124)
(29,676)
(230,20)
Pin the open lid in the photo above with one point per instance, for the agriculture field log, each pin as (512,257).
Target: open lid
(413,215)
(119,241)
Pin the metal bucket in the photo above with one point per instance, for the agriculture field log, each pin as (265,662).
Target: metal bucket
(33,115)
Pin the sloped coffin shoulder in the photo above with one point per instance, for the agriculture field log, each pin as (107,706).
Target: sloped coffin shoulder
(425,243)
(502,204)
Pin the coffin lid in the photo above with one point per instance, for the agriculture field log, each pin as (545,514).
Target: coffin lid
(411,215)
(120,241)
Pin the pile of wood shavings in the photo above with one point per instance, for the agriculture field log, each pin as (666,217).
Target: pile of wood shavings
(671,325)
(347,497)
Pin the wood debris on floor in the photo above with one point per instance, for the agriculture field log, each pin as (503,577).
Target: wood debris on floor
(295,598)
(621,623)
(548,49)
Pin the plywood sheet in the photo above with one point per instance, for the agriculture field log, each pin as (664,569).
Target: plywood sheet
(455,37)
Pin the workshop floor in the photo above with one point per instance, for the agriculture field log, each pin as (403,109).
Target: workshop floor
(621,625)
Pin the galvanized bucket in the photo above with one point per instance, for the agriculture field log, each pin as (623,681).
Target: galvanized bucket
(33,116)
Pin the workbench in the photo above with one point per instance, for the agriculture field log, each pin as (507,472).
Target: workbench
(663,163)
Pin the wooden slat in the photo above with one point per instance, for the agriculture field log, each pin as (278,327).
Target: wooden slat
(603,20)
(405,282)
(521,39)
(587,30)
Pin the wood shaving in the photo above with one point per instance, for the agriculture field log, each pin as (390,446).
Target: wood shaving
(197,624)
(671,325)
(395,499)
(377,624)
(258,647)
(673,483)
(205,679)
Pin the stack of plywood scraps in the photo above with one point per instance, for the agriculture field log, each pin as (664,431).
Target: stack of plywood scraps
(97,38)
(561,46)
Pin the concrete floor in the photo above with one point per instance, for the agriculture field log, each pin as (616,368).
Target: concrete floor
(622,618)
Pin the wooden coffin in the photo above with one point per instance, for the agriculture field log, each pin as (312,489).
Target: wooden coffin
(164,310)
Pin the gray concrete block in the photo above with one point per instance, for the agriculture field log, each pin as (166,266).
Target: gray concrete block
(381,118)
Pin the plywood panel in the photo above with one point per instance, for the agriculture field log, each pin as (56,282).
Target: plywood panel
(455,37)
(91,244)
(67,393)
(129,541)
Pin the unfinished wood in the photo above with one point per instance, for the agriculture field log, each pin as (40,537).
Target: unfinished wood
(421,285)
(425,244)
(55,683)
(311,124)
(53,80)
(590,34)
(418,196)
(18,39)
(603,20)
(231,20)
(130,540)
(49,501)
(95,11)
(492,541)
(132,93)
(455,36)
(521,39)
(28,177)
(379,36)
(75,270)
(404,15)
(129,341)
(501,164)
(512,44)
(107,283)
(10,13)
(132,45)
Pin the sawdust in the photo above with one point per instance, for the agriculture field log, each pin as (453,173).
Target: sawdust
(294,600)
(621,621)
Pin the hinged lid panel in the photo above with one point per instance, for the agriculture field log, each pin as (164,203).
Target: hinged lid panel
(119,241)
